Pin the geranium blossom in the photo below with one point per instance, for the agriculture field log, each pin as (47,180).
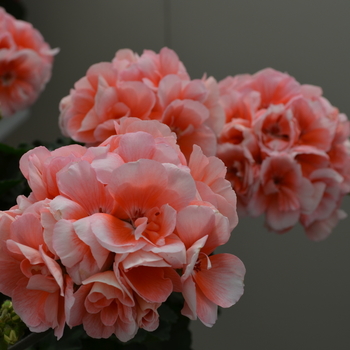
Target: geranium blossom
(150,87)
(25,64)
(109,232)
(287,151)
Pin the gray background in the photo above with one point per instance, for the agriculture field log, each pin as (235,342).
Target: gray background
(297,292)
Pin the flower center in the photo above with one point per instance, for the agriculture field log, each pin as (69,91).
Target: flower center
(7,78)
(197,266)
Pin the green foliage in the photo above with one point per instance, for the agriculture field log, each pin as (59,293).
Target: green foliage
(12,182)
(11,326)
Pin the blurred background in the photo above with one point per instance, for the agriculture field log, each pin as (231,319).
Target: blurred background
(297,293)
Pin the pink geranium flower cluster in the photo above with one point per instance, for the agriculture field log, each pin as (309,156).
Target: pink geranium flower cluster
(150,87)
(25,64)
(109,232)
(287,151)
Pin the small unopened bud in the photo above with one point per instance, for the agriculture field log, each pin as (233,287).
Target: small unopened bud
(12,338)
(11,326)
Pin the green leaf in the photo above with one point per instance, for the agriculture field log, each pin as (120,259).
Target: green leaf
(5,149)
(6,185)
(167,314)
(71,340)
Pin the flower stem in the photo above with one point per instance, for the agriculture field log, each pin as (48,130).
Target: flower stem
(30,340)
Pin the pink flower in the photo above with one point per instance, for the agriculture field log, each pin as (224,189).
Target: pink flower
(115,229)
(209,173)
(319,224)
(278,135)
(284,194)
(105,306)
(276,129)
(31,276)
(25,64)
(150,68)
(191,109)
(150,87)
(208,280)
(98,99)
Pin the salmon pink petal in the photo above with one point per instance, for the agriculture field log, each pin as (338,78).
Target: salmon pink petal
(138,97)
(79,183)
(29,253)
(95,328)
(174,277)
(189,293)
(6,220)
(149,283)
(74,306)
(280,221)
(109,315)
(103,280)
(142,258)
(217,116)
(24,307)
(115,235)
(24,224)
(222,282)
(105,130)
(72,253)
(135,146)
(309,195)
(169,61)
(54,268)
(10,275)
(205,169)
(48,222)
(160,224)
(33,160)
(202,136)
(173,251)
(38,309)
(181,187)
(129,180)
(126,330)
(181,114)
(104,166)
(226,200)
(74,151)
(193,223)
(106,107)
(158,183)
(207,311)
(83,230)
(64,208)
(195,90)
(147,315)
(42,283)
(192,256)
(169,89)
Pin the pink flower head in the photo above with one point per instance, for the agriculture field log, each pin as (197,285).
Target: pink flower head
(278,135)
(31,275)
(283,194)
(98,99)
(150,87)
(191,109)
(109,232)
(25,64)
(150,67)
